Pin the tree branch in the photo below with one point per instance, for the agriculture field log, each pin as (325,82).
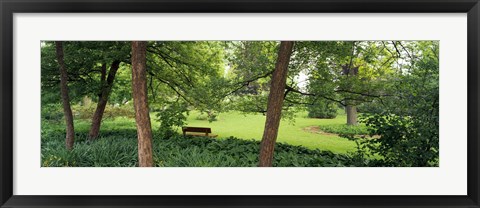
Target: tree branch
(291,89)
(245,83)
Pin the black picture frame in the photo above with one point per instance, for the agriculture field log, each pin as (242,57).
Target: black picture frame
(9,7)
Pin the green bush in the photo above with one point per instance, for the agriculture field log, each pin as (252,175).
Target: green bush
(210,116)
(171,115)
(52,112)
(371,107)
(403,141)
(345,129)
(322,109)
(87,111)
(408,124)
(202,117)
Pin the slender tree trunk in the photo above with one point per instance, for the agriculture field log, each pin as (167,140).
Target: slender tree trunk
(70,131)
(103,79)
(351,114)
(140,102)
(105,90)
(275,102)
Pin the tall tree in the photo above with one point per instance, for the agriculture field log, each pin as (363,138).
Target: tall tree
(350,106)
(70,131)
(187,74)
(350,73)
(140,102)
(407,122)
(275,102)
(92,71)
(105,52)
(105,90)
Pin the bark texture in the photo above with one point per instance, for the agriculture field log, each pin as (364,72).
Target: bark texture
(274,106)
(350,107)
(140,102)
(105,90)
(351,114)
(67,110)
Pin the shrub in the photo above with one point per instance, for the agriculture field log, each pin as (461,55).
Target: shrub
(87,111)
(345,129)
(201,117)
(208,115)
(404,141)
(171,115)
(371,107)
(322,109)
(52,112)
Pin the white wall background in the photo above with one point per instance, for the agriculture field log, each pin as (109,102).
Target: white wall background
(448,179)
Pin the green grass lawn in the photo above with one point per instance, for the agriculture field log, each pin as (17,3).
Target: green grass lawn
(251,127)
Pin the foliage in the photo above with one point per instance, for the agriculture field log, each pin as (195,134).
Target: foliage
(408,125)
(52,112)
(122,86)
(83,60)
(347,72)
(399,144)
(201,117)
(250,63)
(108,151)
(373,107)
(344,129)
(322,109)
(207,116)
(250,66)
(118,149)
(250,104)
(171,116)
(111,111)
(189,72)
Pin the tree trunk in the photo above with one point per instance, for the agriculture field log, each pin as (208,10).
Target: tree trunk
(351,114)
(350,107)
(103,78)
(70,131)
(274,106)
(140,103)
(105,90)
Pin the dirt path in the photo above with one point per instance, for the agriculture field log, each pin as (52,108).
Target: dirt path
(317,130)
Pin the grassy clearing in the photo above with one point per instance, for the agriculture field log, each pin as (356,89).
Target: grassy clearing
(251,127)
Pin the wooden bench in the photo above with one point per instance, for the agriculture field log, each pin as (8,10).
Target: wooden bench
(199,131)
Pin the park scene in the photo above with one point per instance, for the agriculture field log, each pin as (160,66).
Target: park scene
(240,103)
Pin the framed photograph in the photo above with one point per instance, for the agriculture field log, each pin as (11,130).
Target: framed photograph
(268,103)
